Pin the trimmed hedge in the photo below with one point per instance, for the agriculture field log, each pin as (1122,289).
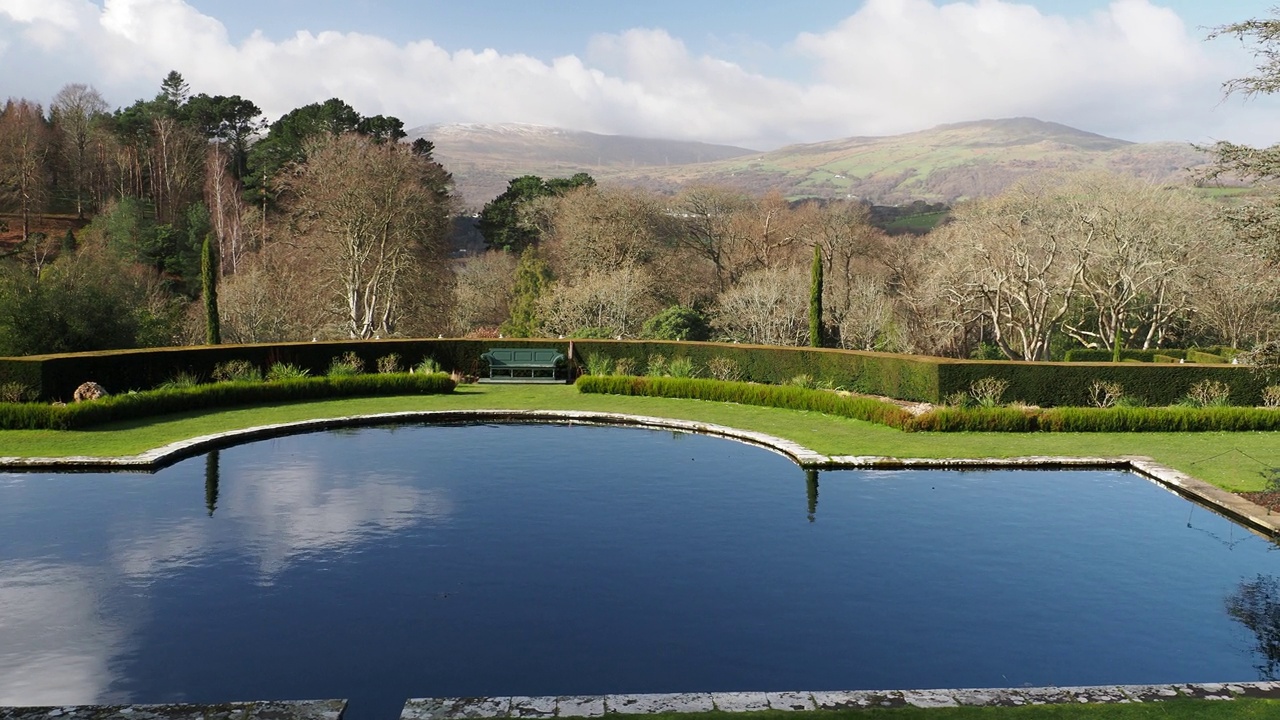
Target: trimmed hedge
(39,416)
(1196,356)
(944,419)
(1092,355)
(908,377)
(777,396)
(1117,419)
(1067,384)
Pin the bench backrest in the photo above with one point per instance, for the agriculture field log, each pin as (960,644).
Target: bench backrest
(524,357)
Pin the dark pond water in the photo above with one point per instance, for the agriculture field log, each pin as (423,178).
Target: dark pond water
(382,564)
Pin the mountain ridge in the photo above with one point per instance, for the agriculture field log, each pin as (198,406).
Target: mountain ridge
(940,164)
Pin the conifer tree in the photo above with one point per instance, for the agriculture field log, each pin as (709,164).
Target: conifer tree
(815,299)
(209,285)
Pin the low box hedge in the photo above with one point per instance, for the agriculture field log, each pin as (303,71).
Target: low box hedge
(777,396)
(43,416)
(944,419)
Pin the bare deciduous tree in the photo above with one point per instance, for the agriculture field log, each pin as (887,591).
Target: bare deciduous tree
(485,285)
(74,111)
(769,307)
(610,303)
(25,141)
(374,214)
(1015,260)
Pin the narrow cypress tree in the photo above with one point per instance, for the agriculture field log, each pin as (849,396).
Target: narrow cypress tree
(815,299)
(209,285)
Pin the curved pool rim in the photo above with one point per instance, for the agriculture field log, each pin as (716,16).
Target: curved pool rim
(1234,507)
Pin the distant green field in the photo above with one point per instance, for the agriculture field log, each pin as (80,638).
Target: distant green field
(923,222)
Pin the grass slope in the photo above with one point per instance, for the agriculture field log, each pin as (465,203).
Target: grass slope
(1233,461)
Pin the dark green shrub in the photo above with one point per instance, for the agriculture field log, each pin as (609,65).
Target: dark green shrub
(598,364)
(681,367)
(678,322)
(285,371)
(428,366)
(180,380)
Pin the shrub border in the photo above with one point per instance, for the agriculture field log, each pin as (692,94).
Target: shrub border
(907,377)
(114,408)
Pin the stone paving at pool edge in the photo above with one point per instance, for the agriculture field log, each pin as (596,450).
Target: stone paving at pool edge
(601,705)
(1230,505)
(271,710)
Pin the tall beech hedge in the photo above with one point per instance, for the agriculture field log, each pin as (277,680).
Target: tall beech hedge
(1067,384)
(908,377)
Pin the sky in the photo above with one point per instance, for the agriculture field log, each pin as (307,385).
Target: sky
(755,73)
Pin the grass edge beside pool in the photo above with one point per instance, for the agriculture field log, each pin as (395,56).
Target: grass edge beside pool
(1232,461)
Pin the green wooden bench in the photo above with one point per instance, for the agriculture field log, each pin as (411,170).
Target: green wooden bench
(528,365)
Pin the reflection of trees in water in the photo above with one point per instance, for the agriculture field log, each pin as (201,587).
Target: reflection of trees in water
(211,472)
(1256,605)
(811,489)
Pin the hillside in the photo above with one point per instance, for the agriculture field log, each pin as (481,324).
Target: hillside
(483,158)
(942,164)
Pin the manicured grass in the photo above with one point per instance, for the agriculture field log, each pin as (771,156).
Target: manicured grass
(1240,709)
(1233,461)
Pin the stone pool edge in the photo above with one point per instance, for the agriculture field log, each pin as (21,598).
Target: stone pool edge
(1230,505)
(596,706)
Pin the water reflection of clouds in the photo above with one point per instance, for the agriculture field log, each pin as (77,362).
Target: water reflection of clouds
(56,643)
(279,515)
(63,626)
(301,509)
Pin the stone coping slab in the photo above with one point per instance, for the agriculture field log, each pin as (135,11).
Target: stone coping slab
(1230,505)
(602,705)
(267,710)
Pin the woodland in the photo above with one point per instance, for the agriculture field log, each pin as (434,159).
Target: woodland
(328,224)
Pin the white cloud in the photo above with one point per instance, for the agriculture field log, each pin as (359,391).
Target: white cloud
(1133,70)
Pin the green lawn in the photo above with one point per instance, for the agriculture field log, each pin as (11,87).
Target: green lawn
(1230,460)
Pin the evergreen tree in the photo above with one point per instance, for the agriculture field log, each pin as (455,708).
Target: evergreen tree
(209,284)
(532,278)
(815,299)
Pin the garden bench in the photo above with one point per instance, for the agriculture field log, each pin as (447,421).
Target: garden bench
(529,365)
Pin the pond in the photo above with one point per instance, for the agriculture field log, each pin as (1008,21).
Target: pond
(379,564)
